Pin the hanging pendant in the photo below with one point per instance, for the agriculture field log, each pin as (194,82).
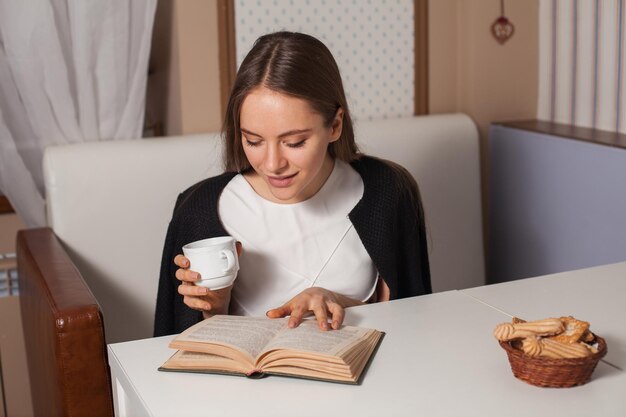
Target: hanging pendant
(502,29)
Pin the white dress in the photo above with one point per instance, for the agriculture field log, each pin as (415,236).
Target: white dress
(290,247)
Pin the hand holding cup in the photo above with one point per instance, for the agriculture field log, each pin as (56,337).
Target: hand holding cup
(207,272)
(215,260)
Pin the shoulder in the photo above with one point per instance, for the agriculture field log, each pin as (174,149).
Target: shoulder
(379,173)
(214,183)
(388,188)
(203,194)
(195,214)
(367,164)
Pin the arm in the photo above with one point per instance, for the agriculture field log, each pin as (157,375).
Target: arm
(382,291)
(164,316)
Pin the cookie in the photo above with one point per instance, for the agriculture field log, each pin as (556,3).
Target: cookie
(573,332)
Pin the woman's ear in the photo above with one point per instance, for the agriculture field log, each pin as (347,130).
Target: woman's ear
(337,126)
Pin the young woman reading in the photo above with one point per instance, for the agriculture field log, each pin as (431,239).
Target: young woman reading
(322,226)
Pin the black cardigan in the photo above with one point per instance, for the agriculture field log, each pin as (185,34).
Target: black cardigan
(386,220)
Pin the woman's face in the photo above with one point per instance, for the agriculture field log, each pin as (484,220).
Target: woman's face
(286,143)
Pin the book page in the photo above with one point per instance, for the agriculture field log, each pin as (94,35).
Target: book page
(309,338)
(248,334)
(203,362)
(197,357)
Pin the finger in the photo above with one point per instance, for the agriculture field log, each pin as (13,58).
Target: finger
(239,248)
(296,317)
(197,303)
(321,316)
(192,290)
(187,275)
(279,312)
(338,313)
(181,261)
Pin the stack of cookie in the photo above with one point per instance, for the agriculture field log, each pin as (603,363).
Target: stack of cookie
(555,352)
(563,337)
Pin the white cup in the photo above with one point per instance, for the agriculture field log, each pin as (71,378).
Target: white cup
(215,259)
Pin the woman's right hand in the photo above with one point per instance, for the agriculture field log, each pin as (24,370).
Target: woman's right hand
(200,298)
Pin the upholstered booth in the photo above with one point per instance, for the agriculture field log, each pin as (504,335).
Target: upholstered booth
(109,204)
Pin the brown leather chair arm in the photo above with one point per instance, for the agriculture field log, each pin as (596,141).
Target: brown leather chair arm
(63,331)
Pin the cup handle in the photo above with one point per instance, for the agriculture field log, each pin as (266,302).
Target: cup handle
(230,259)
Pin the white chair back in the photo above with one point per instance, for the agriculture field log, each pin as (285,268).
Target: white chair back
(110,204)
(442,154)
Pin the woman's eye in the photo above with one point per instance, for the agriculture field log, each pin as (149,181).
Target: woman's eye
(253,143)
(297,144)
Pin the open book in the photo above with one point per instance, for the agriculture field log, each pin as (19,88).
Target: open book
(253,346)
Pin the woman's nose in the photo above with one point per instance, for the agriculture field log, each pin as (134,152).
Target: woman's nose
(274,159)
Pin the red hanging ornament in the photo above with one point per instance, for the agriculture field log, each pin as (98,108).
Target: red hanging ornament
(502,29)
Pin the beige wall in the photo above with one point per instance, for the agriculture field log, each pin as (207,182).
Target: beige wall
(199,68)
(471,72)
(9,225)
(183,88)
(14,369)
(17,399)
(443,51)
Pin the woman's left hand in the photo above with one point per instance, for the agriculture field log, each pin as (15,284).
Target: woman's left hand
(323,303)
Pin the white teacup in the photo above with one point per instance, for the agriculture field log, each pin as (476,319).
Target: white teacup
(215,259)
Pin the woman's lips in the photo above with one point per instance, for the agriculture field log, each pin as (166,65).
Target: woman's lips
(282,181)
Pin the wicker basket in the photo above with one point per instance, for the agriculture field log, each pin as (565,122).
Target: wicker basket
(556,373)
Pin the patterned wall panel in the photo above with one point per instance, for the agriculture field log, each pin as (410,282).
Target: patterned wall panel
(581,63)
(372,41)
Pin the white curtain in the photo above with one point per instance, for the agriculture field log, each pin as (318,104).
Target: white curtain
(70,71)
(582,65)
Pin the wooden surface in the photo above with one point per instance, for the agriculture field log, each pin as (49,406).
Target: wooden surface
(601,137)
(3,411)
(421,56)
(227,52)
(5,206)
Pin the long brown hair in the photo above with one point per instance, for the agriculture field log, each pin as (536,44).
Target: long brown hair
(297,65)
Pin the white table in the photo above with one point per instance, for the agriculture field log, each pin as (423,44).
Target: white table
(596,295)
(438,358)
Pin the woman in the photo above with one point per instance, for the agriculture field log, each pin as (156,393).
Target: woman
(322,226)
